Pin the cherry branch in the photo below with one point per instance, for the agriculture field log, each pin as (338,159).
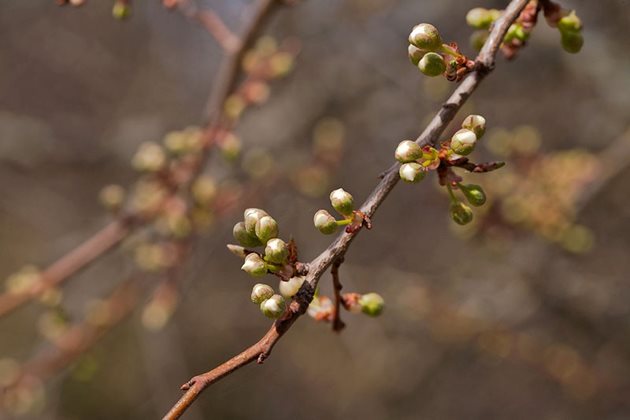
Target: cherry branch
(337,323)
(337,249)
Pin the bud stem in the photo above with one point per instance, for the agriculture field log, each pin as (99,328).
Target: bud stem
(447,49)
(343,222)
(454,199)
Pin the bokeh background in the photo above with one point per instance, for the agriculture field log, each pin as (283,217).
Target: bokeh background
(501,324)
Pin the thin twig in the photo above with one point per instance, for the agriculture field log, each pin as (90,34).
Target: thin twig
(337,323)
(337,249)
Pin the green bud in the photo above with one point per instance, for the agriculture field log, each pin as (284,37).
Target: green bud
(273,307)
(412,172)
(266,228)
(461,213)
(244,237)
(570,23)
(342,201)
(432,64)
(474,194)
(479,18)
(276,251)
(288,289)
(408,151)
(121,10)
(251,217)
(476,124)
(516,31)
(237,250)
(478,39)
(415,54)
(463,142)
(261,292)
(572,42)
(494,14)
(372,304)
(426,37)
(254,265)
(112,197)
(324,222)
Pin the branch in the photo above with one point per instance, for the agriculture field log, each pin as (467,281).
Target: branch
(337,323)
(337,249)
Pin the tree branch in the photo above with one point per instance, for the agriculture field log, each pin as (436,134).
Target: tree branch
(337,249)
(337,323)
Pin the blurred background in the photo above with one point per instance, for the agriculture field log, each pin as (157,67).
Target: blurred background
(524,315)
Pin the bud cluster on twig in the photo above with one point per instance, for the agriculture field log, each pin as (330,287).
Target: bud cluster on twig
(343,203)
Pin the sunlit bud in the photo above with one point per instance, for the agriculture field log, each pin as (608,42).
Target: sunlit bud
(463,142)
(273,307)
(204,190)
(288,289)
(150,157)
(372,304)
(415,54)
(254,265)
(479,18)
(570,23)
(342,201)
(474,194)
(426,37)
(244,237)
(112,197)
(478,39)
(251,217)
(266,228)
(261,292)
(276,251)
(572,42)
(325,222)
(412,172)
(461,213)
(237,250)
(121,10)
(432,64)
(476,124)
(408,151)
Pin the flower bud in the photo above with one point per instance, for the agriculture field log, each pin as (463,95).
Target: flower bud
(276,251)
(516,31)
(251,217)
(121,10)
(432,64)
(463,142)
(474,194)
(476,124)
(266,228)
(324,222)
(237,250)
(204,190)
(408,151)
(261,292)
(572,41)
(426,37)
(479,18)
(372,304)
(273,307)
(570,23)
(244,237)
(149,158)
(254,265)
(288,289)
(342,201)
(112,197)
(412,172)
(415,54)
(461,213)
(478,39)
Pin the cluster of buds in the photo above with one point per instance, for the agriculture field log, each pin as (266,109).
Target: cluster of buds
(371,304)
(343,203)
(417,161)
(433,57)
(568,24)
